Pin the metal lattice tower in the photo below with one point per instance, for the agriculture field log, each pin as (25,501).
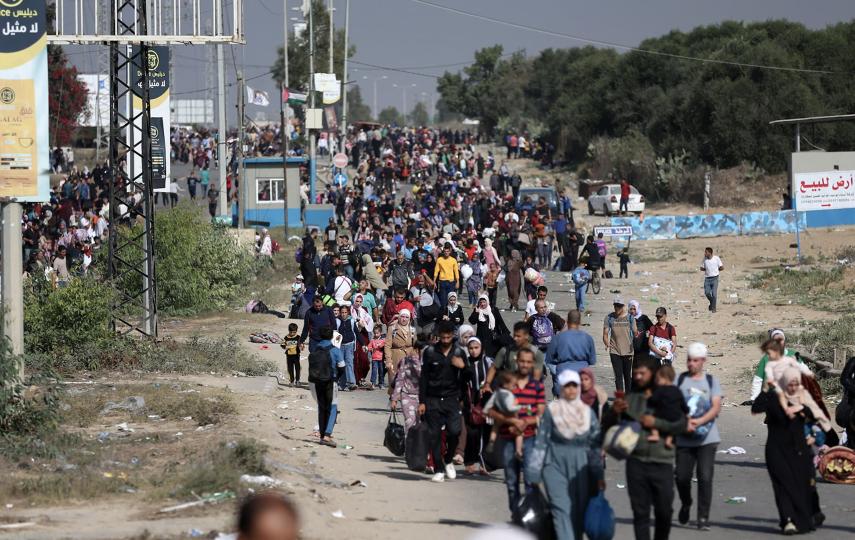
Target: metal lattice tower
(130,28)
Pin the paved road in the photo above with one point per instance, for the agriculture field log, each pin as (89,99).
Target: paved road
(427,510)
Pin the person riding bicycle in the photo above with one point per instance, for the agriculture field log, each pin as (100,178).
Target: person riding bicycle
(592,250)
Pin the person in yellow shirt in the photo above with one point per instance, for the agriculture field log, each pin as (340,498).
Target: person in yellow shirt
(446,274)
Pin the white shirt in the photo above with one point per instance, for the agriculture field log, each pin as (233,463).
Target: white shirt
(530,310)
(711,266)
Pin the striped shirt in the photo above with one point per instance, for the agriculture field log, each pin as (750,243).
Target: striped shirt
(528,397)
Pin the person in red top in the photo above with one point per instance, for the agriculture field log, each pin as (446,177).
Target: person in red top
(394,305)
(625,190)
(532,400)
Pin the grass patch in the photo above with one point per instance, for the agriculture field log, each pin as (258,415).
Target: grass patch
(846,253)
(223,355)
(752,338)
(169,401)
(219,470)
(825,336)
(815,287)
(83,485)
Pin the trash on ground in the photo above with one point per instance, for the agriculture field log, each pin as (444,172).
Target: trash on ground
(737,500)
(260,480)
(19,525)
(124,427)
(733,451)
(621,486)
(338,514)
(210,499)
(359,483)
(131,404)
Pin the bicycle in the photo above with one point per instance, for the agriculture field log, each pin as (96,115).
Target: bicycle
(594,283)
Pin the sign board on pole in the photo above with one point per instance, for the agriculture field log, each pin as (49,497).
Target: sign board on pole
(326,82)
(158,93)
(314,118)
(622,230)
(340,160)
(824,190)
(340,180)
(24,145)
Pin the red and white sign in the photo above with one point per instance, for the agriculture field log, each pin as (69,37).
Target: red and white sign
(340,160)
(825,190)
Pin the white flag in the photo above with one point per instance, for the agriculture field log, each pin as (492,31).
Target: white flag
(257,97)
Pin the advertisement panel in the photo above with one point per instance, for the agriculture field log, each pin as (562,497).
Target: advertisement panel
(24,109)
(824,190)
(158,95)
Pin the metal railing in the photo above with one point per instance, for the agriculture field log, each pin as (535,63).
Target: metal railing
(168,21)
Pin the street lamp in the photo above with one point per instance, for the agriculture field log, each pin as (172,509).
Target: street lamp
(404,96)
(374,108)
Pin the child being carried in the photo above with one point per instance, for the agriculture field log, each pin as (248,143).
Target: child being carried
(505,402)
(667,402)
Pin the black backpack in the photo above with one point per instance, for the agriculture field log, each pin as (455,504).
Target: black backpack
(319,366)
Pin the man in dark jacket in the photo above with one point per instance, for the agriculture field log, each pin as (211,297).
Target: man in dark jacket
(440,390)
(650,467)
(319,316)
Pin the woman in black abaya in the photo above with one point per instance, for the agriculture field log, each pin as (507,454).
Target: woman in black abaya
(789,460)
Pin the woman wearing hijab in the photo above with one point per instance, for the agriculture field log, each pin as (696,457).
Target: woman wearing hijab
(789,459)
(642,325)
(365,326)
(465,332)
(514,279)
(491,256)
(563,460)
(406,388)
(489,325)
(477,431)
(593,395)
(453,311)
(400,343)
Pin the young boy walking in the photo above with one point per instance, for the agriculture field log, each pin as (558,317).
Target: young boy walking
(291,344)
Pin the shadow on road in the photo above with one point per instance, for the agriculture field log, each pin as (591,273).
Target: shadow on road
(443,521)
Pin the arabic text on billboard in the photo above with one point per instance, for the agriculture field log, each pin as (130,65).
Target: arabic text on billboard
(825,190)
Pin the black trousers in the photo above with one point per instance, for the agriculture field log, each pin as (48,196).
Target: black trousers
(622,366)
(477,438)
(293,367)
(324,391)
(702,457)
(649,484)
(443,412)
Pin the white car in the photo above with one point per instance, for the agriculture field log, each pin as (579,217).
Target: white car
(607,200)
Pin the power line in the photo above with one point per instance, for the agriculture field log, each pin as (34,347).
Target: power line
(619,45)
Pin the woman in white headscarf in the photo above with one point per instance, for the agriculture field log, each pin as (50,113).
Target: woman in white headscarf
(400,342)
(361,314)
(491,256)
(490,328)
(453,311)
(562,459)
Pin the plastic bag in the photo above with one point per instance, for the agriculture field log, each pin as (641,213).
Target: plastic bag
(532,514)
(620,440)
(393,439)
(417,446)
(599,519)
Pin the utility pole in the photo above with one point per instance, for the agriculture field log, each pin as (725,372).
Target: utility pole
(241,184)
(330,133)
(13,272)
(221,112)
(344,72)
(286,124)
(313,169)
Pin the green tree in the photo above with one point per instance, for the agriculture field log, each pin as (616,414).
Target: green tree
(419,115)
(357,111)
(390,115)
(66,95)
(298,51)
